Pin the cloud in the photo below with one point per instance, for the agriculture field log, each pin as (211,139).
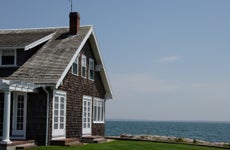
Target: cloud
(168,59)
(132,84)
(143,96)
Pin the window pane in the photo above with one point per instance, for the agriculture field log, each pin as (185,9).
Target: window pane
(74,68)
(99,113)
(56,112)
(56,106)
(8,57)
(55,119)
(95,113)
(7,60)
(62,106)
(91,73)
(55,126)
(91,69)
(83,72)
(61,126)
(62,100)
(56,99)
(62,113)
(61,119)
(103,111)
(83,60)
(83,66)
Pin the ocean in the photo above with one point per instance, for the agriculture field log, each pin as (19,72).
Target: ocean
(207,131)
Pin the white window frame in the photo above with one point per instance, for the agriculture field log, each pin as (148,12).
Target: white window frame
(91,67)
(83,65)
(15,58)
(98,117)
(76,62)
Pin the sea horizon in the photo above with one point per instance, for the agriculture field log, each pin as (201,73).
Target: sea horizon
(211,131)
(149,120)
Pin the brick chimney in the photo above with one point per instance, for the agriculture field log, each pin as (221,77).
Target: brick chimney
(74,22)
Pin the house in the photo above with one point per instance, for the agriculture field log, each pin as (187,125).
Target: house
(53,84)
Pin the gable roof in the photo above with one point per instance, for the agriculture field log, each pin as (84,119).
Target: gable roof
(50,64)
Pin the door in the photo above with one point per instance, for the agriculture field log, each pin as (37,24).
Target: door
(19,116)
(87,116)
(59,115)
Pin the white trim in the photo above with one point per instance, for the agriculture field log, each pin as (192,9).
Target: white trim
(23,29)
(42,40)
(18,86)
(73,58)
(6,118)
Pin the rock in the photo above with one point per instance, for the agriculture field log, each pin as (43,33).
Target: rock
(173,139)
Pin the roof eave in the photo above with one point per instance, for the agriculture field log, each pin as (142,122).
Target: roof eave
(103,72)
(96,50)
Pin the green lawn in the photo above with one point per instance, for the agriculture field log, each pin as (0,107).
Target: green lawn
(128,145)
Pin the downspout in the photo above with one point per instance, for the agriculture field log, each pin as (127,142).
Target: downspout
(47,115)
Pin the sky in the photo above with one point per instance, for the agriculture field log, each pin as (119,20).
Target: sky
(165,59)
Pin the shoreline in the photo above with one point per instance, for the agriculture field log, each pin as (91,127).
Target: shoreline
(170,139)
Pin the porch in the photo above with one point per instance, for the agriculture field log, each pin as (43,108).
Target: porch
(13,109)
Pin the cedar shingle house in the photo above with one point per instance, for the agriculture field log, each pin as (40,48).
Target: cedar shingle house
(53,84)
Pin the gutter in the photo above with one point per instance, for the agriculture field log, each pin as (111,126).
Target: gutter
(47,115)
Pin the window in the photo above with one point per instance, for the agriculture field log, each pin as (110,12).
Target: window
(91,69)
(8,57)
(98,110)
(75,67)
(59,114)
(83,66)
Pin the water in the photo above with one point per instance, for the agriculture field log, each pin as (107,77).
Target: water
(207,131)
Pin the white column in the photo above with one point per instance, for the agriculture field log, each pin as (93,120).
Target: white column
(6,118)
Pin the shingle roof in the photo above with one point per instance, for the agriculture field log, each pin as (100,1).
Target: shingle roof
(48,64)
(21,38)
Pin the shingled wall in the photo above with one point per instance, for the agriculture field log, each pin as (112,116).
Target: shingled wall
(36,116)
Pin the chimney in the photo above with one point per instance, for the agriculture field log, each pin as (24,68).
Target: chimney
(74,22)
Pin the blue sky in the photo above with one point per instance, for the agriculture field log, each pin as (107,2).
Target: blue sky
(166,59)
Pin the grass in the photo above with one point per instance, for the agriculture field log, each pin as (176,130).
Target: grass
(129,145)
